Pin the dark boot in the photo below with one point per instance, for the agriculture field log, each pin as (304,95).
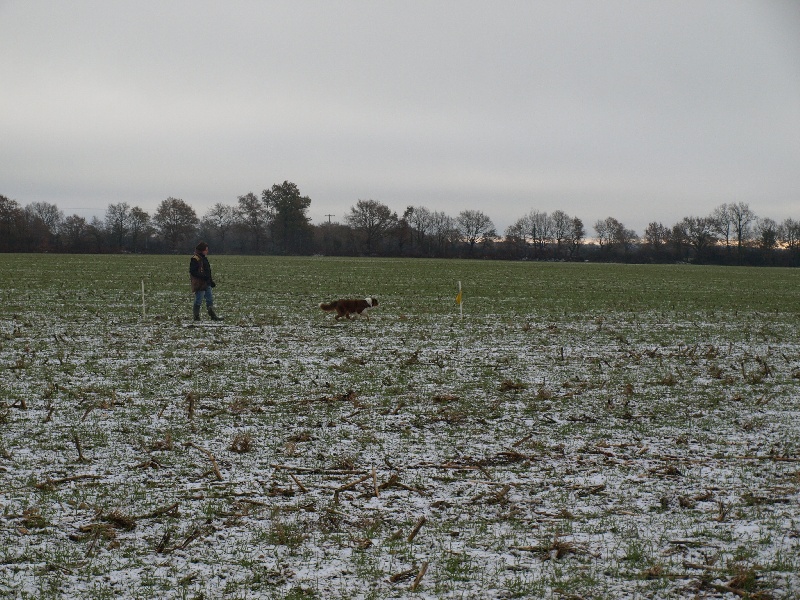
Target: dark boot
(213,315)
(196,312)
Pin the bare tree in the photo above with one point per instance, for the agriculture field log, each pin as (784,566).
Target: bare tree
(445,232)
(790,234)
(373,220)
(613,234)
(741,218)
(722,220)
(220,219)
(680,244)
(96,235)
(38,227)
(540,228)
(47,213)
(474,226)
(656,235)
(403,233)
(575,237)
(699,233)
(517,238)
(176,221)
(767,234)
(420,220)
(140,227)
(656,239)
(11,219)
(74,231)
(118,223)
(254,217)
(561,224)
(604,233)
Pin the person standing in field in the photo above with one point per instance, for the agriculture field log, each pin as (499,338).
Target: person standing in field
(202,282)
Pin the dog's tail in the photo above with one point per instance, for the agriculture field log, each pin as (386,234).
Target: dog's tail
(329,306)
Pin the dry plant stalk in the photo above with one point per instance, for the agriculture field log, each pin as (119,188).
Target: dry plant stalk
(120,520)
(210,457)
(421,574)
(416,529)
(316,471)
(50,483)
(77,441)
(402,575)
(190,405)
(350,485)
(50,410)
(241,443)
(512,386)
(163,408)
(171,510)
(300,485)
(394,481)
(165,444)
(555,550)
(88,410)
(501,495)
(162,547)
(518,443)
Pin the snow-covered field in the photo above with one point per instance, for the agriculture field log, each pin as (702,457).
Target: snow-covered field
(585,431)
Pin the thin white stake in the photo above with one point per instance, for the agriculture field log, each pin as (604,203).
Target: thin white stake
(460,301)
(143,310)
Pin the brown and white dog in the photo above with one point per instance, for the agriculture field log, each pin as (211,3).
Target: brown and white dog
(346,308)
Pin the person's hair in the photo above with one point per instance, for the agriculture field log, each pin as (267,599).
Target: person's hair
(201,246)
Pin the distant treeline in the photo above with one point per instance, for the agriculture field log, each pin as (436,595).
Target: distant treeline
(277,222)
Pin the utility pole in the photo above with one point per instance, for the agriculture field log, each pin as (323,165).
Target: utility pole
(329,218)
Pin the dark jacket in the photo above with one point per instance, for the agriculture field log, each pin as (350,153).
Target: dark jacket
(200,273)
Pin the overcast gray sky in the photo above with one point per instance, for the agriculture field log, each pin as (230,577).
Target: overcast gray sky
(641,110)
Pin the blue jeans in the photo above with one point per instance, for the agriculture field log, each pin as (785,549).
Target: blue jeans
(198,297)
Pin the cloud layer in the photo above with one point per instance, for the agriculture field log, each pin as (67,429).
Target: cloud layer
(638,110)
